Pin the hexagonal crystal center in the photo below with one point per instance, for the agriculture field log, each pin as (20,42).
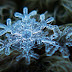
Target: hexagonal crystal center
(26,34)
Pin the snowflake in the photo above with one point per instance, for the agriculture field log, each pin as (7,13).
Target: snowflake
(24,33)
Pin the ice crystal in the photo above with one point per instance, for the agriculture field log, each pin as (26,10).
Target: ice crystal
(24,33)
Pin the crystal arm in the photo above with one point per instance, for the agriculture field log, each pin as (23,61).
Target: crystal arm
(34,12)
(51,19)
(19,57)
(42,17)
(1,45)
(6,28)
(8,22)
(7,50)
(25,10)
(50,50)
(2,25)
(2,32)
(68,36)
(65,52)
(17,14)
(48,41)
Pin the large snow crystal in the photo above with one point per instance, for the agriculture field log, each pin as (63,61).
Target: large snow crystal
(23,34)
